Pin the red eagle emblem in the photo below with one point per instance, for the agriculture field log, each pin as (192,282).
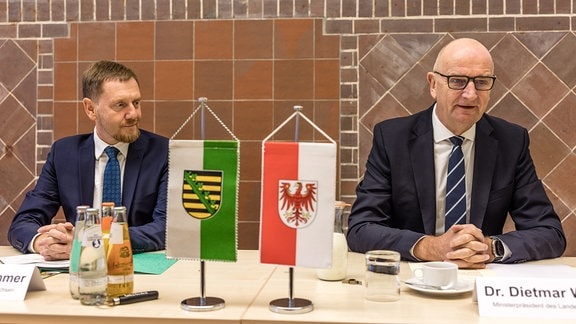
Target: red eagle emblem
(297,202)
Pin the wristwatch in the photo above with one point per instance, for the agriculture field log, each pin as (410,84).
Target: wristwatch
(497,249)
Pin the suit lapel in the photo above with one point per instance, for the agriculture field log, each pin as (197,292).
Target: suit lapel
(486,151)
(86,164)
(132,169)
(421,146)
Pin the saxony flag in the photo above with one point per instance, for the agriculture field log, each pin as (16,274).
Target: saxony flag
(297,207)
(202,200)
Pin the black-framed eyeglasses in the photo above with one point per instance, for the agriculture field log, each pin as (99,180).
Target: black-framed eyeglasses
(459,82)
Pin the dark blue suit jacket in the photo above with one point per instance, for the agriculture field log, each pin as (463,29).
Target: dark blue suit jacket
(396,200)
(67,181)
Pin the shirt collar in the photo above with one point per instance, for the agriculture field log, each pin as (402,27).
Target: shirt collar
(441,133)
(100,146)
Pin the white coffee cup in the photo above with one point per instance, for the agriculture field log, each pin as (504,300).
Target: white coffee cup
(442,275)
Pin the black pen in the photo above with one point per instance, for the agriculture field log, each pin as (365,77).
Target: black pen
(134,298)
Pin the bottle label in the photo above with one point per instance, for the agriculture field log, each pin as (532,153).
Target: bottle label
(116,233)
(92,237)
(120,279)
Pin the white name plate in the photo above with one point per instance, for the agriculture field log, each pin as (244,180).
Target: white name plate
(526,297)
(17,279)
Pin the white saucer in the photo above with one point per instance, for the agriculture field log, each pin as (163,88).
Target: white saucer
(463,286)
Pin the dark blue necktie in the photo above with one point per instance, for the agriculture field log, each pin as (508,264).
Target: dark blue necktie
(455,185)
(111,191)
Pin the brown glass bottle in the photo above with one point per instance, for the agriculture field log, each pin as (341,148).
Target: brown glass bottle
(120,261)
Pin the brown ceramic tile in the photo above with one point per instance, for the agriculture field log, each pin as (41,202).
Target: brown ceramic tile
(293,79)
(496,23)
(399,24)
(250,165)
(412,89)
(65,119)
(213,79)
(65,81)
(145,71)
(366,9)
(562,120)
(16,120)
(414,8)
(14,64)
(542,23)
(25,150)
(397,8)
(255,9)
(547,150)
(213,40)
(96,41)
(25,92)
(14,175)
(366,26)
(370,91)
(562,183)
(174,80)
(561,62)
(327,117)
(540,90)
(540,43)
(249,198)
(65,48)
(325,46)
(293,38)
(512,110)
(327,79)
(510,53)
(134,41)
(253,79)
(253,39)
(252,119)
(170,115)
(388,107)
(168,40)
(248,234)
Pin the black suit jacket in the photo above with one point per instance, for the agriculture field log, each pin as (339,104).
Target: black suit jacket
(396,200)
(67,181)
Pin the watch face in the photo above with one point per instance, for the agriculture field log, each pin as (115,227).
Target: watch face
(499,248)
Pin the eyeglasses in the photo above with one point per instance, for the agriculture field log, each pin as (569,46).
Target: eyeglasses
(459,82)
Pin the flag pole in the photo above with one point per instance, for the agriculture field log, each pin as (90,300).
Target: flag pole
(202,303)
(292,305)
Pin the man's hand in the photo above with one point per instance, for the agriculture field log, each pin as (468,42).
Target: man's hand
(55,241)
(461,244)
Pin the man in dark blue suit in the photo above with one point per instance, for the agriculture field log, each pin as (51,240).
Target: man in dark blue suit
(401,200)
(73,172)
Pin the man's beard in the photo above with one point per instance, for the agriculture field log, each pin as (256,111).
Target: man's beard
(128,137)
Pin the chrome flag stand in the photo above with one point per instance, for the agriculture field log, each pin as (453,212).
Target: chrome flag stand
(293,305)
(203,191)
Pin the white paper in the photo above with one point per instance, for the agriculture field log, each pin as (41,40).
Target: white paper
(36,260)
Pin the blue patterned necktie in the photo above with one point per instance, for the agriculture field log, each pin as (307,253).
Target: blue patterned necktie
(455,185)
(111,191)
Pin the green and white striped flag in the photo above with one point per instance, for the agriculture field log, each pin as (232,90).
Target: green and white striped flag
(202,200)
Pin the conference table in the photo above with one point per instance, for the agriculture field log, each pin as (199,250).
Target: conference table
(247,287)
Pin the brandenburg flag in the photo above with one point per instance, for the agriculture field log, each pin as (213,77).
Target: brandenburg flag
(298,195)
(202,200)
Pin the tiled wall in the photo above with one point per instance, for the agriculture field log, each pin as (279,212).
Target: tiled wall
(350,63)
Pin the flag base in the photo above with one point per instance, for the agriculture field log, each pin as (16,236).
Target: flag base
(202,304)
(291,306)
